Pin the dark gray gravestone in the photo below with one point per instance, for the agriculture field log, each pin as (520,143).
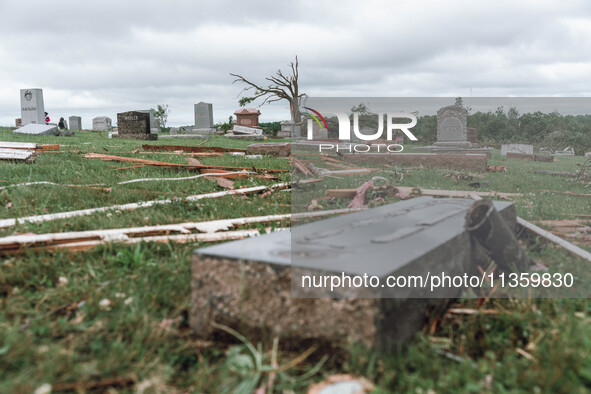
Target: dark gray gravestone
(254,285)
(135,125)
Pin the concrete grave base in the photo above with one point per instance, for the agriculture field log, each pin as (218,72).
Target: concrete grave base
(279,149)
(143,137)
(530,157)
(451,150)
(472,162)
(37,129)
(246,137)
(194,136)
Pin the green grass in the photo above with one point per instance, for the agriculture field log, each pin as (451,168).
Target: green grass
(44,338)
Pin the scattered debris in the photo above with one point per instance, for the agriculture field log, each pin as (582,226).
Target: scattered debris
(223,182)
(4,223)
(210,231)
(497,168)
(17,155)
(301,167)
(164,164)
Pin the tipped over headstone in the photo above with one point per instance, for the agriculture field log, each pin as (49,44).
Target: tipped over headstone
(37,129)
(262,286)
(517,148)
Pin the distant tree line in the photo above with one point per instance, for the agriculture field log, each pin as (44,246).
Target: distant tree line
(545,130)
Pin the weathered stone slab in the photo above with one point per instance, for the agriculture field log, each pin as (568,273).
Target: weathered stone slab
(248,284)
(75,123)
(544,158)
(32,107)
(193,136)
(37,129)
(521,156)
(566,152)
(246,137)
(134,125)
(279,149)
(246,130)
(101,123)
(517,148)
(203,115)
(472,162)
(452,127)
(452,150)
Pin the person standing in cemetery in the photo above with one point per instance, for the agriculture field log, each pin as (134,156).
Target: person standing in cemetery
(47,120)
(61,124)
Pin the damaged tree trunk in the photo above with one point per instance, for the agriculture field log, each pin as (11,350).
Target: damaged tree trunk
(489,229)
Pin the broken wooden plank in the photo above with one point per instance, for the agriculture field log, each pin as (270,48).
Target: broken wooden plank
(300,166)
(17,155)
(181,232)
(4,223)
(18,145)
(532,228)
(190,148)
(165,164)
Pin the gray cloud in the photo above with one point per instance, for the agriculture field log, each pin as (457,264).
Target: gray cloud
(102,57)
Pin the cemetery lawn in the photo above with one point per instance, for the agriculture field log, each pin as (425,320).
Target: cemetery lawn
(57,331)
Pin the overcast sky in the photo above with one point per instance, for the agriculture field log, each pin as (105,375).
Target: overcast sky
(97,58)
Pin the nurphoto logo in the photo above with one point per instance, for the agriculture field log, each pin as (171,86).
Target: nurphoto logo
(392,125)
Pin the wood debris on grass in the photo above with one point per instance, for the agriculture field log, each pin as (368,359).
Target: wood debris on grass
(5,223)
(200,168)
(27,156)
(297,164)
(208,231)
(28,146)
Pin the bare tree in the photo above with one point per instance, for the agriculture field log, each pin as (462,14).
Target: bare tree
(280,87)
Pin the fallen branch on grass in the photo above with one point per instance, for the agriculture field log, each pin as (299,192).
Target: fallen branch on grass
(4,223)
(94,186)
